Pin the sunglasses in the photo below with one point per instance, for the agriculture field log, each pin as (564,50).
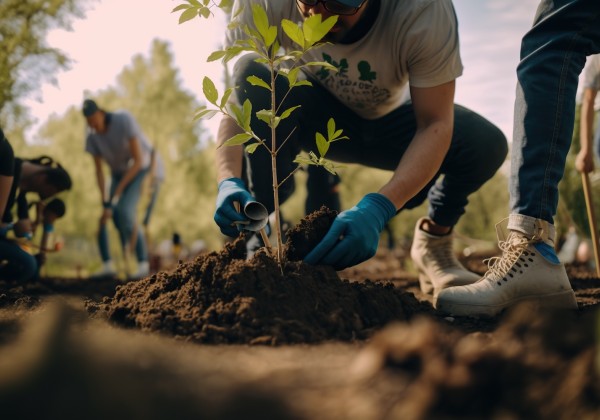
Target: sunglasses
(333,6)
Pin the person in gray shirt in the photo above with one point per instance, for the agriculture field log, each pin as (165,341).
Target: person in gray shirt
(116,139)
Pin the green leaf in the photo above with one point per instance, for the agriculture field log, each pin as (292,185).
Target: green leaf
(265,115)
(337,134)
(237,113)
(302,160)
(293,31)
(207,113)
(251,148)
(225,97)
(205,12)
(238,139)
(215,55)
(181,7)
(261,21)
(257,81)
(246,115)
(293,75)
(322,144)
(189,14)
(270,36)
(330,128)
(288,112)
(314,30)
(209,90)
(302,83)
(324,64)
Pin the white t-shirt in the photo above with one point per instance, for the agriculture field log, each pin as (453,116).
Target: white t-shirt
(591,77)
(113,145)
(411,42)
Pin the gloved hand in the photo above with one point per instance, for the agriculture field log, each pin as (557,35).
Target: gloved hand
(354,235)
(230,191)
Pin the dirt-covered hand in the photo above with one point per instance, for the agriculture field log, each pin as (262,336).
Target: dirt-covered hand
(231,190)
(354,235)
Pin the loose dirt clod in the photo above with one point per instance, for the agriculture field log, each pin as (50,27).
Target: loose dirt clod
(222,298)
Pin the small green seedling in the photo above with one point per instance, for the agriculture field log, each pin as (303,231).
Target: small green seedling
(262,41)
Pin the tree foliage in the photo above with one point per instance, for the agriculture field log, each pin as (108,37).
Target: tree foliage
(151,90)
(26,59)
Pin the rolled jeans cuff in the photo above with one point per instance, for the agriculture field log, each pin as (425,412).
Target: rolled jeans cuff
(530,227)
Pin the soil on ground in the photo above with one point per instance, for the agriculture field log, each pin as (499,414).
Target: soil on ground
(223,337)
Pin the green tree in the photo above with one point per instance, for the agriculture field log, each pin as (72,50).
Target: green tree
(26,59)
(149,88)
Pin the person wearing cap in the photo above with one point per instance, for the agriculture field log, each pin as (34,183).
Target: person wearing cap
(115,139)
(393,96)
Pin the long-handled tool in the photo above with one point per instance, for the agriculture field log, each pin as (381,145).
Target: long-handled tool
(258,218)
(589,204)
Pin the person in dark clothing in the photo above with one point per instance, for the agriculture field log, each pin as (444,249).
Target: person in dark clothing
(42,176)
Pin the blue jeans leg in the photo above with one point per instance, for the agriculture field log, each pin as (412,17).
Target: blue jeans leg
(553,54)
(125,213)
(103,243)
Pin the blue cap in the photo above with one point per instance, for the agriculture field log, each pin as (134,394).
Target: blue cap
(351,3)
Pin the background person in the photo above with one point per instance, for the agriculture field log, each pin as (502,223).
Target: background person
(46,218)
(553,54)
(116,139)
(383,50)
(44,177)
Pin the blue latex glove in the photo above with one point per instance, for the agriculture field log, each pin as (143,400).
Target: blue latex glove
(231,190)
(354,235)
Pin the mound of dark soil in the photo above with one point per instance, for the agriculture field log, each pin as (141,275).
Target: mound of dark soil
(222,298)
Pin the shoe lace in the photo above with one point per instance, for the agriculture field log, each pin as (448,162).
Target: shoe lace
(511,249)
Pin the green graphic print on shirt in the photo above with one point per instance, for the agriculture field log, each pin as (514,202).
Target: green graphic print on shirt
(361,93)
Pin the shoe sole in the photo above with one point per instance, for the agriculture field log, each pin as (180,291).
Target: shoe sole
(427,287)
(561,300)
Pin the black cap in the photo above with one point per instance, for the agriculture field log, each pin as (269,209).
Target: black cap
(89,107)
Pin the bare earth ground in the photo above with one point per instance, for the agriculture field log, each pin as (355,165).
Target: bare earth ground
(75,349)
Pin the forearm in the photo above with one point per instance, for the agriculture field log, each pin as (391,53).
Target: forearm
(586,132)
(101,186)
(228,158)
(419,164)
(130,174)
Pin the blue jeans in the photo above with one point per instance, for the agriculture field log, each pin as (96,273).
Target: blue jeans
(15,263)
(553,54)
(125,217)
(477,150)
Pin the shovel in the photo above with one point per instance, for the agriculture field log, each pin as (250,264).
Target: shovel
(258,218)
(589,204)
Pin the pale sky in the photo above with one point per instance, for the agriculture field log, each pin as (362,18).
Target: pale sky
(114,31)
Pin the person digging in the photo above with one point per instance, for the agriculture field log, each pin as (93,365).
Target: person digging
(393,96)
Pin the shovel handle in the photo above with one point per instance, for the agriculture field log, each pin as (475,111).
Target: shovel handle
(589,204)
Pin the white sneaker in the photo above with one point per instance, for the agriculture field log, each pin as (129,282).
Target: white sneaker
(436,262)
(522,273)
(142,271)
(107,271)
